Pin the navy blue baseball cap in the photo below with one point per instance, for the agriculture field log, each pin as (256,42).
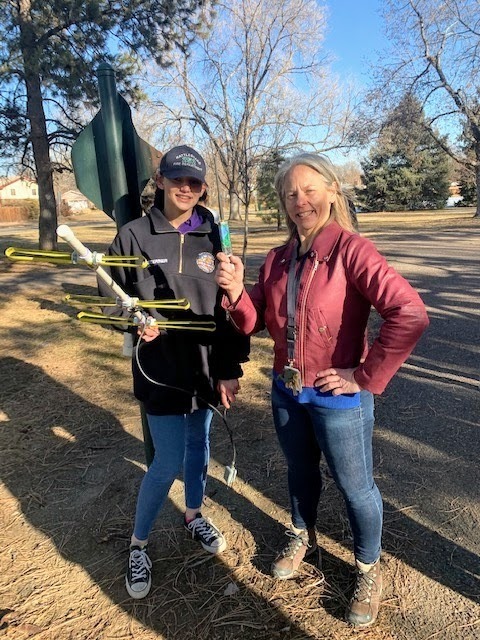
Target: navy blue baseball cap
(183,162)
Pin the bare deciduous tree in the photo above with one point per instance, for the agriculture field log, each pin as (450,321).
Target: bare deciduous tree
(437,58)
(259,80)
(49,52)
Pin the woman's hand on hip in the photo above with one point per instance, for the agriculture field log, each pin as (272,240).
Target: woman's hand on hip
(338,381)
(228,390)
(229,275)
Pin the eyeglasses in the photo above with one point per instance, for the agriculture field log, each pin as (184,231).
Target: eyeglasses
(193,183)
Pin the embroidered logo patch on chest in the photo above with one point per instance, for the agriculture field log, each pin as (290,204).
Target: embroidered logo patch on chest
(206,262)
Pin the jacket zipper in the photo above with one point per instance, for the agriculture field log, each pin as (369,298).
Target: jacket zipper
(301,324)
(180,259)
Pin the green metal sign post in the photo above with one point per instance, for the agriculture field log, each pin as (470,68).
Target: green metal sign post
(112,166)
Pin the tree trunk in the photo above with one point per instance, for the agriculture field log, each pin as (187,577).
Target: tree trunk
(38,130)
(234,205)
(47,223)
(245,237)
(279,220)
(477,177)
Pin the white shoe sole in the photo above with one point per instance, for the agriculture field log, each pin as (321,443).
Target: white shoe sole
(215,550)
(138,595)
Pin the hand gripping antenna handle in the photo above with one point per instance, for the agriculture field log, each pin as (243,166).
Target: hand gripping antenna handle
(64,232)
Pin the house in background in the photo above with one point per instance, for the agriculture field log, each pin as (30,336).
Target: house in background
(455,195)
(18,189)
(75,200)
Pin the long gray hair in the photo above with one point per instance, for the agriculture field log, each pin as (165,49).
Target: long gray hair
(322,165)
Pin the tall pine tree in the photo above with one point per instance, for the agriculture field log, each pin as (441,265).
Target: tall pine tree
(406,168)
(265,183)
(49,52)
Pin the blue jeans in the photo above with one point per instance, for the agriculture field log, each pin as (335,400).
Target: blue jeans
(344,436)
(178,440)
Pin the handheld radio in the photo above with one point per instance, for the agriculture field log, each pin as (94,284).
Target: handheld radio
(225,238)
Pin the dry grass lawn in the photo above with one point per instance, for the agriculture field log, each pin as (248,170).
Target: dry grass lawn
(72,458)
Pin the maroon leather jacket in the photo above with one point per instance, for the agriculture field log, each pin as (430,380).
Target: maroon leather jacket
(344,275)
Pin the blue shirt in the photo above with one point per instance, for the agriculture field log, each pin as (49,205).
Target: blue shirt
(313,395)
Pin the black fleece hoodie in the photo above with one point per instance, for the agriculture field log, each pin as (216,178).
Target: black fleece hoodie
(179,266)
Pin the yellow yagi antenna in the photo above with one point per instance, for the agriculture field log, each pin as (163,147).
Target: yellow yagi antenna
(181,304)
(34,255)
(190,325)
(19,254)
(96,261)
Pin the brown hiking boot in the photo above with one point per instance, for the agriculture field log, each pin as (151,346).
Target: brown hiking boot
(301,546)
(364,605)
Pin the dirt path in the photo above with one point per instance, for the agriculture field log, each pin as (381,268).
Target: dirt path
(71,460)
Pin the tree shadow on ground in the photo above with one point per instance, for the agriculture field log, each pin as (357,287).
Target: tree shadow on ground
(427,441)
(416,542)
(70,465)
(80,492)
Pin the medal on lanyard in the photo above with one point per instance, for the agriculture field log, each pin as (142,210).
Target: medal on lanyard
(292,379)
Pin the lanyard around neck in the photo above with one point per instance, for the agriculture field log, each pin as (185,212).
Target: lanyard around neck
(293,281)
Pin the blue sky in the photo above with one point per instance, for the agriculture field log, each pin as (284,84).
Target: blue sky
(355,35)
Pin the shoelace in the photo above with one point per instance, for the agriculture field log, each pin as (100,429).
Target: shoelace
(140,564)
(363,588)
(294,544)
(204,529)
